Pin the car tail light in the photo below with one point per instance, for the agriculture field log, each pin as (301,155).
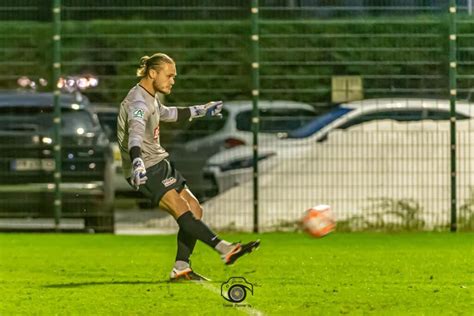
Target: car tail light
(233,142)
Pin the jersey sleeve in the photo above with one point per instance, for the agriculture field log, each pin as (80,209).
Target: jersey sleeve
(168,114)
(138,114)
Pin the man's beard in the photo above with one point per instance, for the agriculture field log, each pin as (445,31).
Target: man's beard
(155,86)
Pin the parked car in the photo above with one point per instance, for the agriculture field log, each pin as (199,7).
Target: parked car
(27,160)
(378,174)
(230,168)
(202,138)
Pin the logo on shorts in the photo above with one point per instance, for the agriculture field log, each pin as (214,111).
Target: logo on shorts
(169,181)
(138,113)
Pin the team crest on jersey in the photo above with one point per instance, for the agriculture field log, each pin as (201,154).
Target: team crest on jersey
(168,181)
(138,113)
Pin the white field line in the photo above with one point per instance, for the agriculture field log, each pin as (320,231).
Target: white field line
(247,309)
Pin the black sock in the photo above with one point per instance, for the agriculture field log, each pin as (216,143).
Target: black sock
(197,229)
(186,245)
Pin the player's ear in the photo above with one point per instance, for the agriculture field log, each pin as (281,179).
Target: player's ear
(152,73)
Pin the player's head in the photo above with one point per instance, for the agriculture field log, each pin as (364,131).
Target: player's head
(160,70)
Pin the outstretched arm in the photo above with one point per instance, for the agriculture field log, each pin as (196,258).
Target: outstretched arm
(180,114)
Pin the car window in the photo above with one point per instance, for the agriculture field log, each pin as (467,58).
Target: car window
(402,115)
(203,127)
(108,120)
(243,121)
(443,115)
(318,123)
(40,119)
(275,120)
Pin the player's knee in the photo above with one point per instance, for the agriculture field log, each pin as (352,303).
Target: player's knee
(196,208)
(182,204)
(194,204)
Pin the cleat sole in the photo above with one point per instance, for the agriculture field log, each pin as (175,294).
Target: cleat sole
(254,246)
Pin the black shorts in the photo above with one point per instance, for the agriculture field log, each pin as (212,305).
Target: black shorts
(162,177)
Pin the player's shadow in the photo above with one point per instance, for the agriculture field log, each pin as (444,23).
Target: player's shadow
(80,284)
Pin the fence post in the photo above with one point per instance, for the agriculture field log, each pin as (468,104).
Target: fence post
(255,114)
(57,110)
(452,101)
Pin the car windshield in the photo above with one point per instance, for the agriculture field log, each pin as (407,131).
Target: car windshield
(40,120)
(318,123)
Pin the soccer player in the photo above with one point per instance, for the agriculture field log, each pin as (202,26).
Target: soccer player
(148,171)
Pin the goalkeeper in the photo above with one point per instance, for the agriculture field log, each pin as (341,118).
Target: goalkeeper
(148,171)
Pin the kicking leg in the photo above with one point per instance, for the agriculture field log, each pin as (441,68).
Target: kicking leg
(179,207)
(229,252)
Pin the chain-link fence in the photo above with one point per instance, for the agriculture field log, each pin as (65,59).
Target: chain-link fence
(353,105)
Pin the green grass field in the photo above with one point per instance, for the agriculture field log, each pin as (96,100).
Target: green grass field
(292,274)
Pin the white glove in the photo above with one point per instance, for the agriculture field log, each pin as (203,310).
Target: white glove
(138,173)
(213,108)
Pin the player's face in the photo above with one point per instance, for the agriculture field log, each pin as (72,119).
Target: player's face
(164,78)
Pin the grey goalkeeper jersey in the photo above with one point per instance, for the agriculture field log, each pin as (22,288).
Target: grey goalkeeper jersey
(138,124)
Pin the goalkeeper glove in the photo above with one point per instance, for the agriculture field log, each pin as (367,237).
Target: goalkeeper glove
(213,108)
(138,173)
